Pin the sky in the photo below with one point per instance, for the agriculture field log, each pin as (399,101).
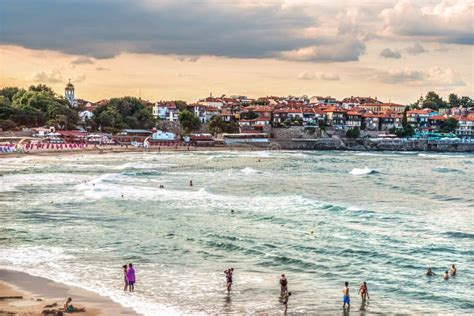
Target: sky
(186,49)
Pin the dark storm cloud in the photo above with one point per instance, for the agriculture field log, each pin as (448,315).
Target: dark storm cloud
(103,29)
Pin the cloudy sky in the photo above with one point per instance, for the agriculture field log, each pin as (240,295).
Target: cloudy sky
(186,49)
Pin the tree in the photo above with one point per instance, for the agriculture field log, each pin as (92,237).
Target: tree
(434,101)
(120,113)
(454,101)
(449,126)
(217,126)
(9,92)
(188,121)
(250,115)
(405,119)
(353,133)
(466,102)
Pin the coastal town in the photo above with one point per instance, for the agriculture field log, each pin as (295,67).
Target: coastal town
(229,121)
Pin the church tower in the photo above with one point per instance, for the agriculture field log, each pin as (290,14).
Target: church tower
(69,94)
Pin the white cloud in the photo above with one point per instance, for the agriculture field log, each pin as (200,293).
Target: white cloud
(306,75)
(435,77)
(345,50)
(388,53)
(53,76)
(416,49)
(448,21)
(82,60)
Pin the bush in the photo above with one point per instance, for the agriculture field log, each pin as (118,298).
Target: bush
(353,133)
(7,125)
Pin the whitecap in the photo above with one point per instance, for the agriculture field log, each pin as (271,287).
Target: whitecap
(364,171)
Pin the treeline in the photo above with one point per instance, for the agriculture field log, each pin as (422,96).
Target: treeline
(40,106)
(433,101)
(34,107)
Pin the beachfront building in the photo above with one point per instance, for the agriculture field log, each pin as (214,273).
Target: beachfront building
(335,117)
(166,111)
(354,119)
(418,118)
(132,136)
(465,128)
(383,107)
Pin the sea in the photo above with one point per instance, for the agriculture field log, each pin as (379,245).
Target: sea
(320,217)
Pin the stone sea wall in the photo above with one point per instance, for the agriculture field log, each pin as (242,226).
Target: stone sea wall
(370,145)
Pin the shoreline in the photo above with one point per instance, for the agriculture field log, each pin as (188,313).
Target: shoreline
(120,150)
(32,295)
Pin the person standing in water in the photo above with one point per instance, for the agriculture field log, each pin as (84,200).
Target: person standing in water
(283,285)
(131,277)
(453,270)
(228,277)
(285,300)
(430,272)
(125,287)
(190,183)
(446,275)
(346,298)
(364,291)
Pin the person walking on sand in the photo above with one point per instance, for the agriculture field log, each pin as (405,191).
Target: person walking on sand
(283,285)
(430,272)
(346,298)
(228,277)
(131,277)
(446,275)
(453,270)
(125,287)
(285,300)
(364,291)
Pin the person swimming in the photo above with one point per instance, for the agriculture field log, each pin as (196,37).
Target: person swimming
(453,270)
(364,291)
(69,308)
(346,298)
(190,183)
(446,275)
(430,272)
(283,285)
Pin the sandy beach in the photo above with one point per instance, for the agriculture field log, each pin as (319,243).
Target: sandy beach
(119,149)
(24,294)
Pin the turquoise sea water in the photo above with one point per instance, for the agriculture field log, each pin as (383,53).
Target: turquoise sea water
(377,217)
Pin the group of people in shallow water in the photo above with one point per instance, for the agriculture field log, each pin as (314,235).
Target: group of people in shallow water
(446,274)
(129,284)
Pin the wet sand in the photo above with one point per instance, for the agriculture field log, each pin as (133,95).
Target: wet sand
(24,294)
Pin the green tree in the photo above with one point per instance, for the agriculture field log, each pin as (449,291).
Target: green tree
(434,101)
(466,102)
(250,115)
(353,133)
(9,92)
(120,113)
(217,126)
(405,118)
(188,121)
(454,101)
(449,126)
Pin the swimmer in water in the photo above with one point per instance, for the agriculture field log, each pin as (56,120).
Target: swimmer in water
(190,183)
(430,272)
(453,270)
(446,275)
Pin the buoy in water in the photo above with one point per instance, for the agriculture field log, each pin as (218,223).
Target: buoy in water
(311,232)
